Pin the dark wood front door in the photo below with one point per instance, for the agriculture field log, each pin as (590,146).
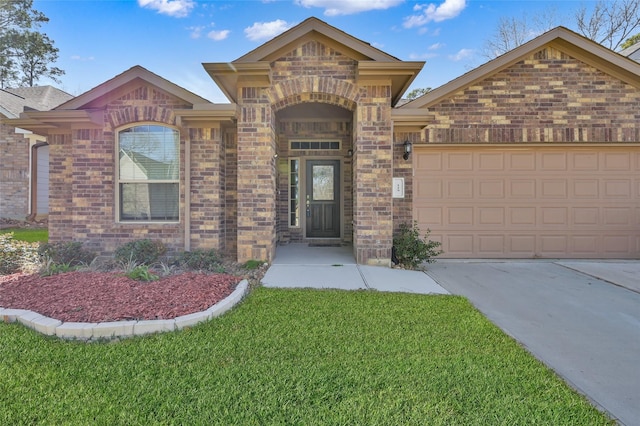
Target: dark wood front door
(323,199)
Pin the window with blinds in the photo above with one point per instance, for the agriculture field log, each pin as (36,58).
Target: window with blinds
(148,173)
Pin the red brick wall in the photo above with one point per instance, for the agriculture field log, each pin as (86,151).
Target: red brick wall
(547,97)
(14,174)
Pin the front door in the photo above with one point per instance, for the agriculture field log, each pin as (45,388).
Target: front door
(323,199)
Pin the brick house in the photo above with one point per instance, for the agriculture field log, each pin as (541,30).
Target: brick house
(24,154)
(534,154)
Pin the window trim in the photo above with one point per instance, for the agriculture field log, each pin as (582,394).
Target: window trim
(117,182)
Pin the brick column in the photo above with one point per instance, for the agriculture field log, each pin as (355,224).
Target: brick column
(207,180)
(61,211)
(373,204)
(256,176)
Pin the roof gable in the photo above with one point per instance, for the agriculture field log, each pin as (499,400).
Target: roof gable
(314,28)
(114,88)
(560,38)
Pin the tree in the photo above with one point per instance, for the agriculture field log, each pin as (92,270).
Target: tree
(416,93)
(512,32)
(35,54)
(630,41)
(25,55)
(610,23)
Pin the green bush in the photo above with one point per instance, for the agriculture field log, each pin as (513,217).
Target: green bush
(142,273)
(17,256)
(50,268)
(204,260)
(140,252)
(69,253)
(252,264)
(411,250)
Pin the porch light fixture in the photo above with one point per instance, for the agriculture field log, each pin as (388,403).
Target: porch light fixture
(350,153)
(407,149)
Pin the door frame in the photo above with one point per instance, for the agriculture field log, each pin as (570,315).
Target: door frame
(303,193)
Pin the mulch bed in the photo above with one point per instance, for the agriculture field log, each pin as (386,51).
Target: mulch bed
(110,296)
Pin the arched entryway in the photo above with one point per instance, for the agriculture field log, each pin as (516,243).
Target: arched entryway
(315,172)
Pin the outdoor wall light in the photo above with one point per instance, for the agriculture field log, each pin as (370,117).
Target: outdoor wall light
(350,153)
(407,149)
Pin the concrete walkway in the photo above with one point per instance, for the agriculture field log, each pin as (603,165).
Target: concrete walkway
(301,266)
(585,328)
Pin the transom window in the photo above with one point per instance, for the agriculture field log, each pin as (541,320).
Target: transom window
(315,145)
(148,173)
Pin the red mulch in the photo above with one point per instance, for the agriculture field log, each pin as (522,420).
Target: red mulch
(109,296)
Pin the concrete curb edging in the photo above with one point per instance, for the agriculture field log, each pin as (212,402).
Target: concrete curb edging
(117,329)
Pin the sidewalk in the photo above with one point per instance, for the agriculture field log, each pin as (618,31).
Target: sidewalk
(300,266)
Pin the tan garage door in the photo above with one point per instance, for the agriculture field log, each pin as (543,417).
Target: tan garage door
(561,202)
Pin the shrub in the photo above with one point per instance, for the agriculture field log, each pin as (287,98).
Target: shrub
(17,256)
(50,268)
(141,252)
(252,264)
(411,250)
(142,273)
(205,260)
(71,254)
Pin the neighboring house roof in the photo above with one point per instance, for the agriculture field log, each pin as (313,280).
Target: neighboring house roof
(565,40)
(152,169)
(632,52)
(372,62)
(39,98)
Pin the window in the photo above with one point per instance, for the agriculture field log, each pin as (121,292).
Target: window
(294,192)
(314,145)
(148,173)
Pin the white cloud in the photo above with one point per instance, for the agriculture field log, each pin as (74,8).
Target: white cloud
(348,7)
(266,30)
(82,58)
(218,35)
(422,56)
(196,32)
(436,46)
(431,13)
(462,54)
(175,8)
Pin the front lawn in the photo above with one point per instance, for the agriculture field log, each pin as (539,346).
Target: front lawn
(30,235)
(293,357)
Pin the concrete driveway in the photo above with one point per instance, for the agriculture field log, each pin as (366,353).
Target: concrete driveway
(585,328)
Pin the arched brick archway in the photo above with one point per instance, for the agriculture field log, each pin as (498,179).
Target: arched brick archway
(135,114)
(314,89)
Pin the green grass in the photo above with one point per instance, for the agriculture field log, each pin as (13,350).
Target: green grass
(293,357)
(30,235)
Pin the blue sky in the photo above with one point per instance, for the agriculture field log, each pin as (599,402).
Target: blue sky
(99,39)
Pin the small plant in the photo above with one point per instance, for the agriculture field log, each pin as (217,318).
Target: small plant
(142,252)
(142,273)
(66,253)
(17,256)
(411,250)
(252,264)
(203,260)
(51,268)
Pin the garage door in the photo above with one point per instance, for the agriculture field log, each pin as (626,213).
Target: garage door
(561,202)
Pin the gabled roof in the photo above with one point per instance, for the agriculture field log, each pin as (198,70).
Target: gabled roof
(354,47)
(372,62)
(567,41)
(101,95)
(86,110)
(40,98)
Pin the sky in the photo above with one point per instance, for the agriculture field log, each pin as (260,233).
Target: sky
(99,39)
